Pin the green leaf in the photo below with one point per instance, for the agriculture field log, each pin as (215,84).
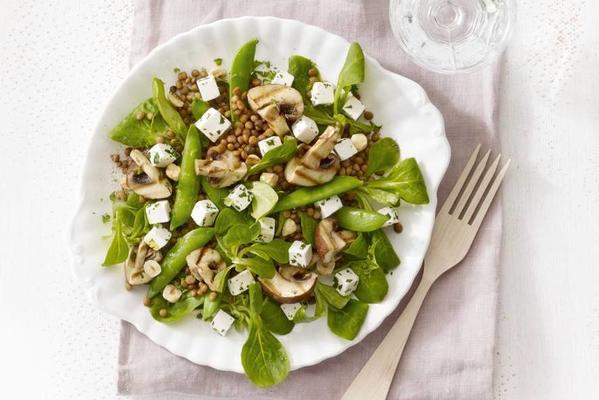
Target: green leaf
(119,249)
(241,69)
(320,116)
(263,200)
(383,251)
(279,155)
(220,279)
(358,247)
(216,195)
(211,307)
(331,295)
(356,126)
(227,218)
(405,180)
(382,196)
(238,235)
(308,225)
(352,73)
(167,110)
(299,67)
(382,155)
(274,318)
(198,108)
(276,249)
(346,323)
(176,311)
(373,285)
(263,357)
(259,266)
(360,220)
(140,132)
(256,299)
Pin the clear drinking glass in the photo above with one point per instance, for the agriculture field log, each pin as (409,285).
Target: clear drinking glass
(452,35)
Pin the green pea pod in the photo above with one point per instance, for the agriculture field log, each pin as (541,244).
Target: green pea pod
(175,258)
(188,185)
(241,69)
(168,112)
(360,220)
(309,195)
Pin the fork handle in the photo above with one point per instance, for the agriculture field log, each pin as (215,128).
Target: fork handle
(375,378)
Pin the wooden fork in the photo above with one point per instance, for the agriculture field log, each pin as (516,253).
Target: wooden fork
(456,226)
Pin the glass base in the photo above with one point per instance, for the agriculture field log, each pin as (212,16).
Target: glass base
(452,35)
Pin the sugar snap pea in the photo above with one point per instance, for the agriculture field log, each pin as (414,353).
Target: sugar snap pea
(360,220)
(168,112)
(309,195)
(175,258)
(241,70)
(188,185)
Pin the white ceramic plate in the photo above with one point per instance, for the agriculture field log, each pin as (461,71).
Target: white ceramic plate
(398,103)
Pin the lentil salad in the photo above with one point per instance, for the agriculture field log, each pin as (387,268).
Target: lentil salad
(257,199)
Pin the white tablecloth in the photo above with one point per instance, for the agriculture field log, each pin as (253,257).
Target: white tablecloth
(60,62)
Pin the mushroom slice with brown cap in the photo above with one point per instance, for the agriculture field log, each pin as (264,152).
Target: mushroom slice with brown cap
(204,263)
(328,244)
(149,183)
(322,148)
(224,170)
(290,287)
(276,104)
(134,264)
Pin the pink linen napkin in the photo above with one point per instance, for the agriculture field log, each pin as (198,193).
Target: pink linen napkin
(450,352)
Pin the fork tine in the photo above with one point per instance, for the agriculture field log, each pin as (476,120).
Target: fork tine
(489,198)
(481,189)
(471,184)
(458,186)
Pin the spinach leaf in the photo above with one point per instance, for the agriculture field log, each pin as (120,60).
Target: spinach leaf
(263,200)
(227,218)
(331,295)
(299,67)
(274,318)
(220,279)
(216,195)
(382,196)
(373,286)
(259,266)
(119,249)
(210,307)
(346,323)
(167,110)
(358,247)
(256,299)
(308,225)
(276,249)
(382,155)
(176,311)
(320,116)
(198,108)
(356,126)
(140,132)
(404,180)
(360,220)
(383,252)
(278,155)
(352,73)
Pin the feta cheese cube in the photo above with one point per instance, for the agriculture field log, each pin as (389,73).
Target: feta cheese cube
(283,78)
(391,213)
(208,88)
(239,198)
(304,129)
(162,154)
(240,282)
(158,212)
(322,93)
(346,281)
(267,230)
(213,124)
(204,213)
(268,144)
(300,254)
(345,149)
(269,178)
(353,107)
(222,322)
(329,206)
(290,310)
(157,238)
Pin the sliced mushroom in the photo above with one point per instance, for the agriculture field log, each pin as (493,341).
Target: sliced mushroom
(171,293)
(149,183)
(204,263)
(276,104)
(134,265)
(322,148)
(224,170)
(289,289)
(173,171)
(328,244)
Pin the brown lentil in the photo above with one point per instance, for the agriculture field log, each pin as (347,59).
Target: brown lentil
(368,115)
(163,312)
(212,296)
(398,227)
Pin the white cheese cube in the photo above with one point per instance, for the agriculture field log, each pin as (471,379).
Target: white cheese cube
(208,88)
(329,206)
(267,230)
(213,124)
(345,149)
(157,238)
(268,144)
(300,254)
(222,322)
(323,93)
(240,282)
(204,213)
(353,107)
(304,129)
(346,281)
(391,213)
(290,310)
(158,212)
(162,154)
(283,78)
(239,198)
